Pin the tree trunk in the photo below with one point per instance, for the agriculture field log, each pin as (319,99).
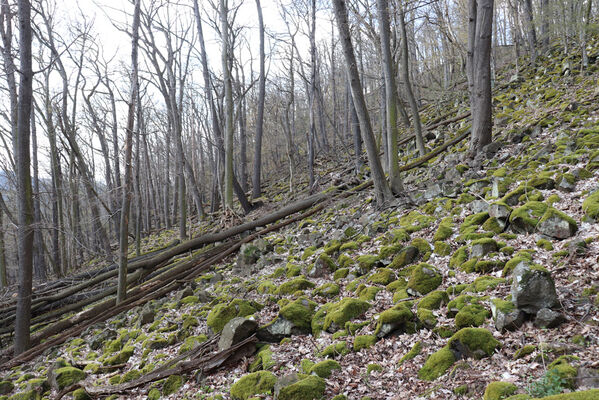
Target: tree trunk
(531,34)
(256,181)
(39,261)
(126,204)
(381,188)
(229,123)
(24,189)
(390,98)
(480,71)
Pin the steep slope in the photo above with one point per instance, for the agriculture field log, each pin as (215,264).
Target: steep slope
(435,299)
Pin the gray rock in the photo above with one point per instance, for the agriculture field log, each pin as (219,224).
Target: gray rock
(499,211)
(146,316)
(547,318)
(217,277)
(587,378)
(204,296)
(433,191)
(320,268)
(478,206)
(490,149)
(509,321)
(566,186)
(6,387)
(482,249)
(100,339)
(181,294)
(533,289)
(557,227)
(235,331)
(275,331)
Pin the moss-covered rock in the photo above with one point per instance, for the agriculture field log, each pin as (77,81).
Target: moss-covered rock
(473,342)
(473,222)
(459,257)
(263,360)
(261,382)
(122,357)
(406,256)
(325,368)
(292,286)
(343,311)
(565,370)
(434,300)
(310,387)
(327,290)
(172,385)
(335,349)
(471,315)
(437,364)
(364,342)
(557,224)
(444,231)
(366,262)
(526,218)
(382,276)
(224,312)
(67,376)
(414,351)
(6,387)
(81,394)
(590,206)
(484,283)
(442,249)
(424,279)
(26,395)
(482,247)
(399,317)
(415,221)
(300,313)
(499,390)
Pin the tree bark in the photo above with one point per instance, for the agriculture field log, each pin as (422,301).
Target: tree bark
(24,189)
(126,203)
(256,181)
(381,188)
(480,72)
(229,123)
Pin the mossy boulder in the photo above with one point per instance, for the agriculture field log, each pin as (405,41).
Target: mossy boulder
(473,342)
(261,382)
(471,315)
(172,385)
(335,349)
(382,276)
(499,390)
(557,224)
(473,222)
(422,245)
(415,221)
(263,360)
(26,395)
(444,231)
(366,263)
(122,357)
(294,319)
(397,318)
(565,370)
(6,387)
(299,387)
(292,286)
(343,311)
(434,300)
(442,249)
(406,256)
(533,288)
(224,312)
(424,279)
(437,364)
(66,376)
(506,316)
(325,368)
(327,290)
(525,219)
(484,283)
(364,342)
(482,247)
(590,206)
(459,257)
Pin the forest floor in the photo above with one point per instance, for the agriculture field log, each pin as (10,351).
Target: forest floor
(377,298)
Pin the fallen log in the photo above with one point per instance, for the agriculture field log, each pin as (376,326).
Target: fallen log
(434,126)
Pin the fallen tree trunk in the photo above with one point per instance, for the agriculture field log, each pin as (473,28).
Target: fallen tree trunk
(434,126)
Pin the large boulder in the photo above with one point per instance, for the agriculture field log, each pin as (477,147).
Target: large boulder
(249,385)
(299,387)
(293,319)
(506,316)
(547,318)
(526,218)
(556,224)
(533,288)
(424,279)
(235,331)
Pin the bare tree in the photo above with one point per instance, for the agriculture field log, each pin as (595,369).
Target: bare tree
(256,181)
(133,95)
(480,27)
(381,187)
(24,189)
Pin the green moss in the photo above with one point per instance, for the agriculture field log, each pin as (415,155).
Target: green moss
(366,262)
(325,368)
(514,261)
(367,293)
(81,394)
(364,342)
(335,349)
(526,217)
(459,257)
(545,244)
(332,247)
(566,371)
(370,368)
(473,222)
(406,256)
(263,360)
(172,385)
(398,235)
(482,266)
(458,303)
(499,390)
(397,315)
(67,376)
(475,339)
(122,357)
(422,245)
(27,395)
(224,312)
(424,279)
(266,287)
(292,286)
(130,376)
(192,342)
(153,394)
(414,351)
(471,315)
(442,249)
(343,311)
(341,273)
(382,276)
(299,312)
(437,364)
(307,365)
(308,252)
(6,387)
(261,382)
(292,270)
(584,395)
(484,283)
(492,225)
(554,213)
(434,300)
(524,351)
(327,290)
(415,221)
(389,251)
(310,388)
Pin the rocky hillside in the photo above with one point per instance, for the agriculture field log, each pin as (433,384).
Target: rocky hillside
(484,285)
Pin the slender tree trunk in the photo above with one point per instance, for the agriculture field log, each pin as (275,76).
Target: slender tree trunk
(480,70)
(124,229)
(531,34)
(312,95)
(3,272)
(390,98)
(39,261)
(229,127)
(405,72)
(256,181)
(584,34)
(381,188)
(24,189)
